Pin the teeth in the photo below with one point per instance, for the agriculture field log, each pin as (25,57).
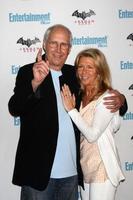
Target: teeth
(85,78)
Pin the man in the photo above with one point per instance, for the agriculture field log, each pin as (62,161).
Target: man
(47,158)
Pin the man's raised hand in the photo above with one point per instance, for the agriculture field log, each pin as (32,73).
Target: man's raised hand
(40,70)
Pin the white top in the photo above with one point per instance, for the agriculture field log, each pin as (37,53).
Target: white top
(102,130)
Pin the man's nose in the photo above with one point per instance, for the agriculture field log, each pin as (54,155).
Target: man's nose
(58,47)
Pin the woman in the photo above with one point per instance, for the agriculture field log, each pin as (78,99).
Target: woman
(99,158)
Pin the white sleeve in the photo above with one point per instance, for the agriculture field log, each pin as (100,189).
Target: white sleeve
(101,120)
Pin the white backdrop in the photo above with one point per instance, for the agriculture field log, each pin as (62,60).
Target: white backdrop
(102,24)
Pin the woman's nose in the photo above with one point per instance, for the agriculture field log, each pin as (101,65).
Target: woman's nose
(84,69)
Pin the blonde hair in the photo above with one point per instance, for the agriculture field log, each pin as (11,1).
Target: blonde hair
(104,76)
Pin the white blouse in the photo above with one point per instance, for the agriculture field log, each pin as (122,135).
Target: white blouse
(102,130)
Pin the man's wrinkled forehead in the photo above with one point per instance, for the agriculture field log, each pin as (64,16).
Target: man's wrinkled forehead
(59,31)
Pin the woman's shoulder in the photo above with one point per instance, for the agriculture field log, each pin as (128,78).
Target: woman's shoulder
(101,97)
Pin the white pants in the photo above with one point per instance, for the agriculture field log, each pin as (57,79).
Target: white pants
(98,191)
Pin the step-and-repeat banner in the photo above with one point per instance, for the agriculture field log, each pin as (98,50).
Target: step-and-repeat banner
(107,25)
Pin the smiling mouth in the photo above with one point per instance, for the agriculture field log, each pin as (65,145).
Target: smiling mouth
(84,78)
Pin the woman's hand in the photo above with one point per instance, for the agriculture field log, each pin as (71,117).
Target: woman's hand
(68,98)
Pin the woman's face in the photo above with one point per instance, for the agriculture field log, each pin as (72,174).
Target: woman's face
(86,71)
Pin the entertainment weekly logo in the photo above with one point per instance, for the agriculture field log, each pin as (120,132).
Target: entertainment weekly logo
(16,121)
(128,166)
(126,65)
(14,69)
(125,14)
(98,41)
(128,116)
(83,17)
(42,18)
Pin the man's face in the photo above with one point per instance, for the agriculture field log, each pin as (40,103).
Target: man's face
(57,48)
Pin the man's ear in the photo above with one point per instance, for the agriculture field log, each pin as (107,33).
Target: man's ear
(43,47)
(70,49)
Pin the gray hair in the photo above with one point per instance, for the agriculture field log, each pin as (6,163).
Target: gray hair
(51,28)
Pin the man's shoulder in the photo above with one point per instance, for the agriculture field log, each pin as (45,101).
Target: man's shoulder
(27,67)
(67,68)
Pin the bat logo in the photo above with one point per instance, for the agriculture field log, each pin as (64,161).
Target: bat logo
(131,87)
(130,37)
(28,42)
(132,138)
(83,14)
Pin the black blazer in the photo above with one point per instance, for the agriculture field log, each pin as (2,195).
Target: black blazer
(39,126)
